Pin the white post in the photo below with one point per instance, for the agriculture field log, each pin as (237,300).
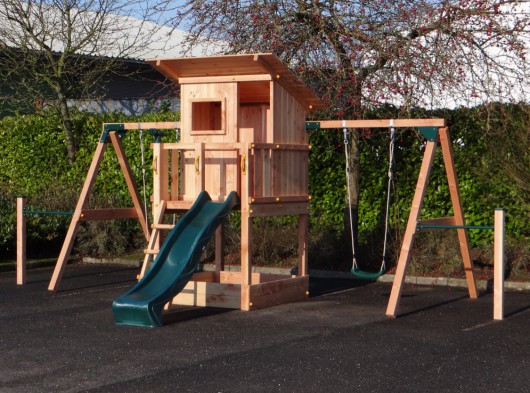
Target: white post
(21,241)
(498,269)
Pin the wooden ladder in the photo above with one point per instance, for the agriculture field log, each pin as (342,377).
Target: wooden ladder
(153,246)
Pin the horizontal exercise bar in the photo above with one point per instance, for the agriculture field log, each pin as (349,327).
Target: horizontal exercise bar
(433,226)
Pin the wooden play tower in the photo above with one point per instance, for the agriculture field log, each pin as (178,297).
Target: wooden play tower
(242,129)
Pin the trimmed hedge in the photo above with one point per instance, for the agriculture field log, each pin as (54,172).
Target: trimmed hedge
(34,163)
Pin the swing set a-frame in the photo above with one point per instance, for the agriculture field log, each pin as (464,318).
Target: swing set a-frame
(436,133)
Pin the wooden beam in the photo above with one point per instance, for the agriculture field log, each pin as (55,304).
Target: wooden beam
(448,156)
(74,224)
(303,244)
(383,123)
(410,231)
(160,125)
(108,214)
(224,79)
(131,184)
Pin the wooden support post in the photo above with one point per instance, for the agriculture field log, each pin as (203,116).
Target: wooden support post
(21,241)
(303,229)
(463,239)
(131,184)
(246,259)
(498,275)
(410,232)
(74,224)
(219,249)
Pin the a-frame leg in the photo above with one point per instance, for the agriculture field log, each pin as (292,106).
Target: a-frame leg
(131,184)
(463,239)
(82,203)
(410,232)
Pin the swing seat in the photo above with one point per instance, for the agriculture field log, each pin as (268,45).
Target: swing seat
(367,275)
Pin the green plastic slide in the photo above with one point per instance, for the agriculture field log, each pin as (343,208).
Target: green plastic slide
(174,265)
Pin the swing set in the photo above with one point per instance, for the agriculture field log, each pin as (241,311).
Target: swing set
(436,133)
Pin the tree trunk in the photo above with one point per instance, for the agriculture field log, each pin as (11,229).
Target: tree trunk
(354,190)
(64,113)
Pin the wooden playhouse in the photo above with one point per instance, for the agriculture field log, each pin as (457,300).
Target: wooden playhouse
(242,129)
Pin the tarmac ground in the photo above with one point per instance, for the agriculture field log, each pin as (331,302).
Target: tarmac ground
(338,340)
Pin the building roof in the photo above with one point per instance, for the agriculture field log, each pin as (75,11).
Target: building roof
(238,65)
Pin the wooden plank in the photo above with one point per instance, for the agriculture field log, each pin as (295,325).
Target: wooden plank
(303,244)
(279,292)
(231,146)
(246,257)
(219,248)
(109,214)
(279,209)
(204,277)
(224,79)
(498,266)
(209,294)
(283,199)
(383,123)
(410,231)
(74,224)
(465,249)
(153,244)
(131,184)
(21,241)
(159,125)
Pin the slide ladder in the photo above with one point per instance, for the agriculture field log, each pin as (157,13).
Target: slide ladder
(175,263)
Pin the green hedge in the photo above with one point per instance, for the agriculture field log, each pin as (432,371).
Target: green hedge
(34,163)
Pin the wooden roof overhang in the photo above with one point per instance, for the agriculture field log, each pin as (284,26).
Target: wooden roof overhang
(237,68)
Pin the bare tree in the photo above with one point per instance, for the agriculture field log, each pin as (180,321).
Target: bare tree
(55,50)
(359,54)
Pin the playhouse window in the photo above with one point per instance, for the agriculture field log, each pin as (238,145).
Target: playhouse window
(207,117)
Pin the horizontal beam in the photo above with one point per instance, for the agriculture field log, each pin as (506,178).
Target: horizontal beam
(427,226)
(147,125)
(381,123)
(108,214)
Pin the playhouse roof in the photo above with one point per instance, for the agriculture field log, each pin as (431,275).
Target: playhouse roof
(239,65)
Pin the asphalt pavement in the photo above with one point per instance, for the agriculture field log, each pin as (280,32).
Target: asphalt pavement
(338,340)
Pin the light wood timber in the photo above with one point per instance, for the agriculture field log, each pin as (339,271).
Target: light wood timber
(303,244)
(159,125)
(498,266)
(383,123)
(278,292)
(448,157)
(219,249)
(224,79)
(74,224)
(153,244)
(410,231)
(21,241)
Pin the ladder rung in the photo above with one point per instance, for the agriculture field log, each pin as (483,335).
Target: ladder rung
(162,226)
(151,252)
